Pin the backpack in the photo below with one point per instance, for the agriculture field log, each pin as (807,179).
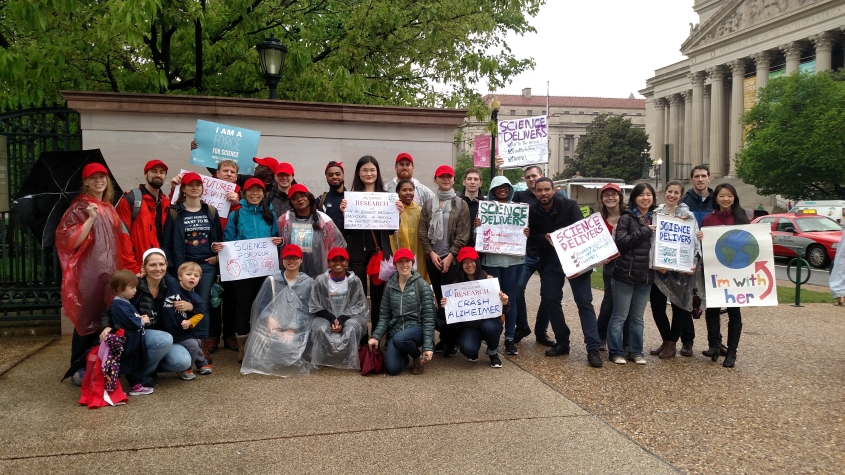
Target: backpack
(134,198)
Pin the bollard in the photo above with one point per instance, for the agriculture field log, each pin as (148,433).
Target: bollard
(798,262)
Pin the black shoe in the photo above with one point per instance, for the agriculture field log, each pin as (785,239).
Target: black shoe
(450,351)
(520,334)
(712,353)
(544,340)
(510,348)
(594,358)
(723,350)
(495,361)
(730,360)
(558,350)
(686,349)
(439,347)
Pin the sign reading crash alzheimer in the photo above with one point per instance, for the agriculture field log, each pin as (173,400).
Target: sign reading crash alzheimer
(473,300)
(218,142)
(584,245)
(247,259)
(739,266)
(370,210)
(523,142)
(502,229)
(674,245)
(214,193)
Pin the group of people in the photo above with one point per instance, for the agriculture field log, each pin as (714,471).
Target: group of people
(149,266)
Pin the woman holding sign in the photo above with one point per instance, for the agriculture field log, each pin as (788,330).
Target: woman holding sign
(612,205)
(313,231)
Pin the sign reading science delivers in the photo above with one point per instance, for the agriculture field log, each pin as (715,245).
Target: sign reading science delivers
(584,245)
(473,300)
(502,229)
(739,266)
(523,142)
(370,210)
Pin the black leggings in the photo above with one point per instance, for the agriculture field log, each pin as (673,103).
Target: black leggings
(681,326)
(245,292)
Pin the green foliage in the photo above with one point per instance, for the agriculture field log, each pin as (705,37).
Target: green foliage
(612,148)
(465,161)
(795,144)
(406,52)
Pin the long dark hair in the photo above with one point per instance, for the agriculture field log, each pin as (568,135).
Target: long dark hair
(357,184)
(312,207)
(637,191)
(603,209)
(264,206)
(739,214)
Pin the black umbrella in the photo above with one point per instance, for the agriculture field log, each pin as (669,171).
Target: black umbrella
(55,179)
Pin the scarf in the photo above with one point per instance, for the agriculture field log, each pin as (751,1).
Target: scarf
(645,220)
(438,204)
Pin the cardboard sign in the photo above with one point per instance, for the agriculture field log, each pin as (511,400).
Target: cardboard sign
(481,151)
(370,210)
(474,300)
(584,245)
(674,244)
(213,193)
(247,259)
(523,142)
(739,266)
(218,142)
(502,228)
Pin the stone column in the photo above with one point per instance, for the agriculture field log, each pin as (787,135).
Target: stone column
(763,61)
(687,127)
(674,109)
(792,51)
(737,107)
(658,140)
(717,126)
(697,124)
(705,141)
(824,50)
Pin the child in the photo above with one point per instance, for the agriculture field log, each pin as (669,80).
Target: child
(180,302)
(134,359)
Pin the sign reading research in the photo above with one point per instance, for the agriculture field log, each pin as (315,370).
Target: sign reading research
(214,193)
(370,210)
(247,259)
(523,142)
(674,244)
(584,245)
(502,229)
(473,300)
(218,142)
(739,266)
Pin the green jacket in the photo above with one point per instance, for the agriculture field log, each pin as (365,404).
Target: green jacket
(413,307)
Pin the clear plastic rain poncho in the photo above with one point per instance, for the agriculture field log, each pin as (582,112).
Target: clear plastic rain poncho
(346,298)
(678,286)
(315,244)
(281,325)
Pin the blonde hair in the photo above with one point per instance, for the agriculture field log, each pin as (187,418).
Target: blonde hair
(228,163)
(108,193)
(189,266)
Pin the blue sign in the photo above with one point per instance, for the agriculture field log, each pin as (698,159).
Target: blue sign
(218,142)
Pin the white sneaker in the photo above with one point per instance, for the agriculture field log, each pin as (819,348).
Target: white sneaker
(618,360)
(639,360)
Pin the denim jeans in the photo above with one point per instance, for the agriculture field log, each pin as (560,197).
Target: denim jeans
(551,293)
(203,289)
(163,355)
(404,343)
(541,325)
(607,307)
(489,330)
(629,301)
(508,280)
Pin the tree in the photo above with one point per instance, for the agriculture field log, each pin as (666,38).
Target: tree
(613,148)
(465,161)
(795,144)
(403,52)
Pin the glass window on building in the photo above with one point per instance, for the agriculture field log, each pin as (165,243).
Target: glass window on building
(566,144)
(565,112)
(513,111)
(530,112)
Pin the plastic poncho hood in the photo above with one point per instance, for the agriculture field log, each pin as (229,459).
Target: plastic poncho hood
(498,181)
(315,243)
(338,349)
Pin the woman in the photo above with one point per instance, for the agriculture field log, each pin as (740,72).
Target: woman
(313,231)
(281,322)
(408,236)
(612,205)
(727,212)
(488,329)
(406,317)
(675,287)
(91,247)
(837,275)
(632,276)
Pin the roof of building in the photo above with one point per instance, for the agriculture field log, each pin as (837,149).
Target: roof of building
(568,101)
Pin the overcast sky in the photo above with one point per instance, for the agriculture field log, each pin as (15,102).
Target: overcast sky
(601,48)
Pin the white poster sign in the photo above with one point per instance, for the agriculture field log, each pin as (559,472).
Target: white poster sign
(474,300)
(584,245)
(739,266)
(214,193)
(370,210)
(524,141)
(674,244)
(247,259)
(502,229)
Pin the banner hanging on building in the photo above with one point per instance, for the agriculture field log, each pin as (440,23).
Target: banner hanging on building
(584,246)
(481,151)
(247,259)
(214,193)
(523,142)
(674,244)
(473,300)
(739,266)
(218,142)
(370,210)
(502,229)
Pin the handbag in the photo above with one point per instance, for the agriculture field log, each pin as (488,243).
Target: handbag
(374,266)
(370,360)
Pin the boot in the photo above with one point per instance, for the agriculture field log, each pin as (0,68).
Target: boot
(712,352)
(231,342)
(241,347)
(659,349)
(730,360)
(668,350)
(686,349)
(206,345)
(213,343)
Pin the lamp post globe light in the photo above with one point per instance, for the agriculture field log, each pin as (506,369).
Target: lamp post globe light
(657,164)
(495,105)
(271,56)
(645,164)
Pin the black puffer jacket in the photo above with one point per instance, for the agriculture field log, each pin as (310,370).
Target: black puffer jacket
(633,239)
(147,305)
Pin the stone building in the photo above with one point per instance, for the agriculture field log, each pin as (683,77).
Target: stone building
(694,107)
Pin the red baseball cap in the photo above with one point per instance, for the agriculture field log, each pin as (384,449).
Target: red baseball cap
(191,177)
(93,168)
(404,156)
(444,170)
(268,162)
(334,164)
(467,253)
(297,188)
(403,254)
(254,182)
(291,250)
(610,186)
(285,168)
(154,163)
(338,252)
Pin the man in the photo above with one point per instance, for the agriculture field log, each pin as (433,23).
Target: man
(142,210)
(329,202)
(551,213)
(471,196)
(405,171)
(265,169)
(277,192)
(699,198)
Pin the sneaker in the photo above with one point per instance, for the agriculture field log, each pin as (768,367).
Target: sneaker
(140,390)
(204,370)
(450,351)
(510,348)
(603,345)
(495,362)
(439,347)
(594,358)
(618,360)
(520,334)
(639,360)
(77,377)
(472,358)
(187,375)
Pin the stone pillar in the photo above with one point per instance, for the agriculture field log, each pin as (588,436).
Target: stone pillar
(717,126)
(705,141)
(674,109)
(697,80)
(763,61)
(824,50)
(737,108)
(687,127)
(792,51)
(659,139)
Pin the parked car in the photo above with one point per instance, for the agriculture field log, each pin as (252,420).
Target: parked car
(817,235)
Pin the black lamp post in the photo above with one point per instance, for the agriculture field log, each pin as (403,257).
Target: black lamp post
(495,105)
(645,164)
(657,164)
(271,55)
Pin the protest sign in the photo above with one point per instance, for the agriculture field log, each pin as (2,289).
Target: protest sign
(523,142)
(739,266)
(247,259)
(473,300)
(481,151)
(502,229)
(584,245)
(674,244)
(213,193)
(370,210)
(218,142)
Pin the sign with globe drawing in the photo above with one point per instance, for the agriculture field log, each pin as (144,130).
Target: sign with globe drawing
(739,266)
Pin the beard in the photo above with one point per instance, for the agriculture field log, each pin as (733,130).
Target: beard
(156,183)
(335,186)
(263,174)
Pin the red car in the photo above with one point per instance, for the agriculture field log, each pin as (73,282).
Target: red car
(818,235)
